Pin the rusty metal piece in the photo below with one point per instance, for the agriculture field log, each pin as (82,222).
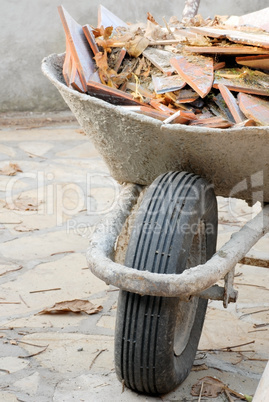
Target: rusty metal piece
(79,47)
(197,71)
(254,108)
(232,104)
(260,62)
(191,281)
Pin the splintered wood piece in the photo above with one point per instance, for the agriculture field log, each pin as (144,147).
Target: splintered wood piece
(254,108)
(249,38)
(159,106)
(147,111)
(180,117)
(160,59)
(232,104)
(119,59)
(260,62)
(67,66)
(167,83)
(143,91)
(79,47)
(197,71)
(108,19)
(226,49)
(243,80)
(186,96)
(111,95)
(213,122)
(90,38)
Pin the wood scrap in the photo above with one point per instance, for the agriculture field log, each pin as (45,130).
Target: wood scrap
(229,50)
(167,83)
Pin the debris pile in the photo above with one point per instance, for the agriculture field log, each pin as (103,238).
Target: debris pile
(196,72)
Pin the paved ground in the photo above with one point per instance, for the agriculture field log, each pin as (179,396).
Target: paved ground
(47,213)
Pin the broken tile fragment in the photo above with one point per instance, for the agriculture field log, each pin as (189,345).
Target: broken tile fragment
(197,71)
(254,108)
(147,111)
(232,49)
(257,62)
(213,122)
(88,32)
(79,47)
(106,19)
(243,80)
(111,95)
(232,104)
(259,19)
(160,59)
(167,83)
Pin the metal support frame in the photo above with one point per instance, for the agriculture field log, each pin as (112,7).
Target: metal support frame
(192,281)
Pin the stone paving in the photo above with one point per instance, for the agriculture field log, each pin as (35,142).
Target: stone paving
(47,213)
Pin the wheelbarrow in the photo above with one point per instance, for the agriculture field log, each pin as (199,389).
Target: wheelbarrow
(158,244)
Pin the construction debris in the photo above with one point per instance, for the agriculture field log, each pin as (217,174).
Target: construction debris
(196,72)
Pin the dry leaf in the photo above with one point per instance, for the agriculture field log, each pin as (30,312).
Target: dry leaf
(75,306)
(151,18)
(104,32)
(10,170)
(137,46)
(212,387)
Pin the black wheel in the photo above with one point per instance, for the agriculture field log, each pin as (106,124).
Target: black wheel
(156,338)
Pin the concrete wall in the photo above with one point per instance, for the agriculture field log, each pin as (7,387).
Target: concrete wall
(31,29)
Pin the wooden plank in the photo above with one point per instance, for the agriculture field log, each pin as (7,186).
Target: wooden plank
(197,71)
(232,50)
(111,95)
(88,32)
(254,108)
(243,80)
(248,38)
(167,83)
(160,59)
(259,62)
(232,104)
(108,19)
(79,47)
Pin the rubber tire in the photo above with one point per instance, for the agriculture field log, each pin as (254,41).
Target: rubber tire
(146,326)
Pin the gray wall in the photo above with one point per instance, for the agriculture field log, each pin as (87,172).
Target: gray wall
(31,29)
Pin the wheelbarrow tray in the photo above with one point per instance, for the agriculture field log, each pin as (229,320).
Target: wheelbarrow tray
(138,148)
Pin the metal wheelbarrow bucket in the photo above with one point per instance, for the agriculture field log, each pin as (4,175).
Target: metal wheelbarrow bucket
(162,304)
